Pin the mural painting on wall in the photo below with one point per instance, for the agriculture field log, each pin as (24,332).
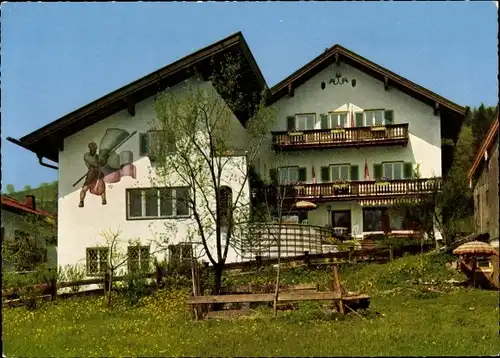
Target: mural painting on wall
(106,165)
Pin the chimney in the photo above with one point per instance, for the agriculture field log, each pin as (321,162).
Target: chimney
(29,201)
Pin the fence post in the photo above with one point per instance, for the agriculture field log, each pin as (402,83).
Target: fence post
(337,287)
(391,253)
(53,288)
(307,259)
(258,260)
(106,282)
(351,254)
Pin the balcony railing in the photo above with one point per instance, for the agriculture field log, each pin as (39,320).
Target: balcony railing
(391,134)
(361,189)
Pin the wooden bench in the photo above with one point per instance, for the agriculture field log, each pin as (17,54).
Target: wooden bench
(336,297)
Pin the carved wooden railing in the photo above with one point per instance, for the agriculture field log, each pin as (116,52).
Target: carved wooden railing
(355,136)
(362,189)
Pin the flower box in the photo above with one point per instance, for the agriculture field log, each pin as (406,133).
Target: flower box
(341,185)
(337,130)
(295,134)
(378,128)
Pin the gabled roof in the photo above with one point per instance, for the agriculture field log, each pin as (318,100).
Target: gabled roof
(452,114)
(12,204)
(46,141)
(483,152)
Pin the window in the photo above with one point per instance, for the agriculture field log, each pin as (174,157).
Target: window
(138,258)
(97,261)
(375,219)
(393,171)
(483,262)
(340,172)
(148,142)
(225,202)
(342,218)
(337,119)
(288,175)
(374,117)
(305,121)
(180,253)
(157,203)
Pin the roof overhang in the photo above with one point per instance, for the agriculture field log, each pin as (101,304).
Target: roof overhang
(452,115)
(483,154)
(48,140)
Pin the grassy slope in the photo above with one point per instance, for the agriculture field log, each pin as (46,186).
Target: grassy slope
(411,322)
(45,196)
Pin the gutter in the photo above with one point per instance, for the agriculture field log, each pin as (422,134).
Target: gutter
(40,157)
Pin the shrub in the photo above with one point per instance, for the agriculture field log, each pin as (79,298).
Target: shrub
(72,273)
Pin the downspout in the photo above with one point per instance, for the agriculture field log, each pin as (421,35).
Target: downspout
(40,157)
(45,164)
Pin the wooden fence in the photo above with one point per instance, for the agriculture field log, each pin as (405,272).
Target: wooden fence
(50,289)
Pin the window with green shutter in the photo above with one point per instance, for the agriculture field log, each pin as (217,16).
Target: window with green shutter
(325,174)
(359,119)
(324,121)
(354,172)
(377,171)
(302,174)
(340,172)
(290,123)
(389,117)
(143,144)
(408,170)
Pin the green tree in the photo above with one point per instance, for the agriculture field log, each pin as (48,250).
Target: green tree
(27,187)
(198,127)
(10,189)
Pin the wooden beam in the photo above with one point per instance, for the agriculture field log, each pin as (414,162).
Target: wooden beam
(386,83)
(290,90)
(131,107)
(436,108)
(337,59)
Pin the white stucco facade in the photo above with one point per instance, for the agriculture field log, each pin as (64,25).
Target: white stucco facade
(81,227)
(423,148)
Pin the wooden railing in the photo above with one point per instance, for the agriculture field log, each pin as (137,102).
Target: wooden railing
(362,189)
(391,134)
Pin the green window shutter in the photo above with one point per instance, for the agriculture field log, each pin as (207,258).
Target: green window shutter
(290,122)
(377,171)
(273,175)
(143,144)
(408,170)
(324,121)
(302,174)
(354,172)
(389,117)
(359,119)
(325,174)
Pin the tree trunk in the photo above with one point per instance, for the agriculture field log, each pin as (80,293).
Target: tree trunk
(218,284)
(277,287)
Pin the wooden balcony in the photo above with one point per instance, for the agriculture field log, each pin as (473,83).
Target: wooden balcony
(357,190)
(391,134)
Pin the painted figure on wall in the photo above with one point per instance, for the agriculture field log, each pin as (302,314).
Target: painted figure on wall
(107,166)
(94,178)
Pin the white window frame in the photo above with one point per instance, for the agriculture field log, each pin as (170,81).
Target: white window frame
(303,121)
(288,175)
(392,164)
(159,216)
(365,117)
(334,119)
(339,168)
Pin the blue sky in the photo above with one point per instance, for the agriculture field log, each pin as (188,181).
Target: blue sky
(57,57)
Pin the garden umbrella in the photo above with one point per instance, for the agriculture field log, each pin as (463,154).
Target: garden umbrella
(305,205)
(475,248)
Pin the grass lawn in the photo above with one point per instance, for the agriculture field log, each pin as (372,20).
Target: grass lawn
(410,321)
